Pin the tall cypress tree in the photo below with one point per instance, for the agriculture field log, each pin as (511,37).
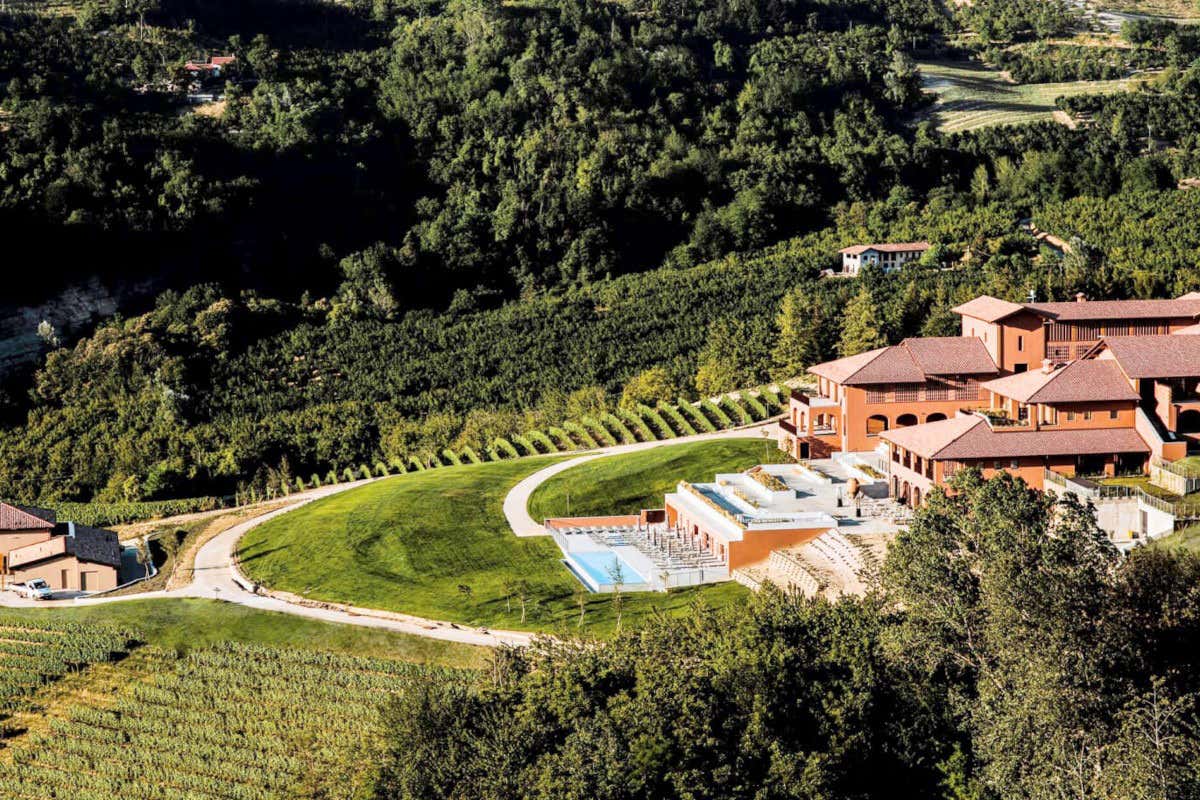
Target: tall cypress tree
(862,327)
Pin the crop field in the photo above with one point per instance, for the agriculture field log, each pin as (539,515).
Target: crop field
(971,96)
(236,721)
(34,655)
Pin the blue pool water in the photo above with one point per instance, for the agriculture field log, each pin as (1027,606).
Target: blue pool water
(599,565)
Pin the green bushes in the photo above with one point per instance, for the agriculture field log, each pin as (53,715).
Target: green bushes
(416,464)
(450,457)
(471,455)
(672,415)
(504,448)
(755,406)
(720,417)
(331,477)
(524,444)
(542,440)
(659,425)
(735,411)
(638,425)
(619,429)
(598,431)
(699,421)
(381,469)
(580,435)
(564,440)
(101,514)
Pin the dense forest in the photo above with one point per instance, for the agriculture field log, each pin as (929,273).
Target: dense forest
(397,226)
(1010,652)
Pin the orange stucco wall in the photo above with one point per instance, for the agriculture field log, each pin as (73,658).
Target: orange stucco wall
(756,547)
(858,410)
(11,540)
(1022,341)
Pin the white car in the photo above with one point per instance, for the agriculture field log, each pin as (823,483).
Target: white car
(36,589)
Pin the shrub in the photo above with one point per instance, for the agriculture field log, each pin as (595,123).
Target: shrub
(655,421)
(638,424)
(718,416)
(672,415)
(523,443)
(451,458)
(755,407)
(490,453)
(598,431)
(619,429)
(100,514)
(416,463)
(542,440)
(697,417)
(347,475)
(396,465)
(300,487)
(505,448)
(331,477)
(381,469)
(564,439)
(739,414)
(772,398)
(580,434)
(470,455)
(364,472)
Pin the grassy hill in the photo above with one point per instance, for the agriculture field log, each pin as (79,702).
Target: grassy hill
(437,545)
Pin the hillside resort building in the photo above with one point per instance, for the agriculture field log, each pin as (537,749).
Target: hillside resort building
(890,257)
(1064,395)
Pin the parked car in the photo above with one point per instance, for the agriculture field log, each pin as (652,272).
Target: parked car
(36,589)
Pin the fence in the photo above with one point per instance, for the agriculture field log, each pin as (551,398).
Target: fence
(1176,478)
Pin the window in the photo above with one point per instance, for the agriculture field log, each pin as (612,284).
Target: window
(1070,416)
(1014,464)
(1060,332)
(1114,414)
(1087,415)
(876,424)
(1020,344)
(1019,368)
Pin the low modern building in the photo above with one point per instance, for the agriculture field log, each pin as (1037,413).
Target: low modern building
(68,556)
(711,532)
(890,257)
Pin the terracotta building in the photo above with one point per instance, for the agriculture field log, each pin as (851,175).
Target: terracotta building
(68,556)
(860,397)
(1077,388)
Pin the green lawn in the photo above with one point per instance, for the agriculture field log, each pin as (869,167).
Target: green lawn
(626,484)
(436,544)
(971,96)
(185,624)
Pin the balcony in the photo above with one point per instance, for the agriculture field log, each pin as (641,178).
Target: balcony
(789,428)
(999,419)
(812,401)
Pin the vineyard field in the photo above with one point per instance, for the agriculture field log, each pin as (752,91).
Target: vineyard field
(236,721)
(970,96)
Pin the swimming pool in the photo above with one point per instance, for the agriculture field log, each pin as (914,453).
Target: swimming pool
(597,568)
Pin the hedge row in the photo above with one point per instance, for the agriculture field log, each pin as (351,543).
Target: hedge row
(624,426)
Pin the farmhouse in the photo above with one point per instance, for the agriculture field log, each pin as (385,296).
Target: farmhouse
(68,556)
(888,256)
(1060,394)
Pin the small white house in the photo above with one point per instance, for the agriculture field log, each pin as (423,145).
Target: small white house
(889,256)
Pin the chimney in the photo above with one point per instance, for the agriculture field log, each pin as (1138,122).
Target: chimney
(1047,366)
(1080,297)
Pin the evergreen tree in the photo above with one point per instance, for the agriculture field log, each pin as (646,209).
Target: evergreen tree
(797,346)
(862,327)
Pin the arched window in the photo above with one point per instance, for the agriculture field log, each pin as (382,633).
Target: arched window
(936,416)
(904,420)
(876,424)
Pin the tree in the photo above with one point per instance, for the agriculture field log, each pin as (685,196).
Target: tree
(796,345)
(144,556)
(648,387)
(861,325)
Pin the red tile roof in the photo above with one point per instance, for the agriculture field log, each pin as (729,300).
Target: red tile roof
(902,247)
(968,438)
(1078,382)
(991,309)
(1163,356)
(25,518)
(911,361)
(988,308)
(1118,309)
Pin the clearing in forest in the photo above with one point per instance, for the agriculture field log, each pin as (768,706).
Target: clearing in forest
(971,96)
